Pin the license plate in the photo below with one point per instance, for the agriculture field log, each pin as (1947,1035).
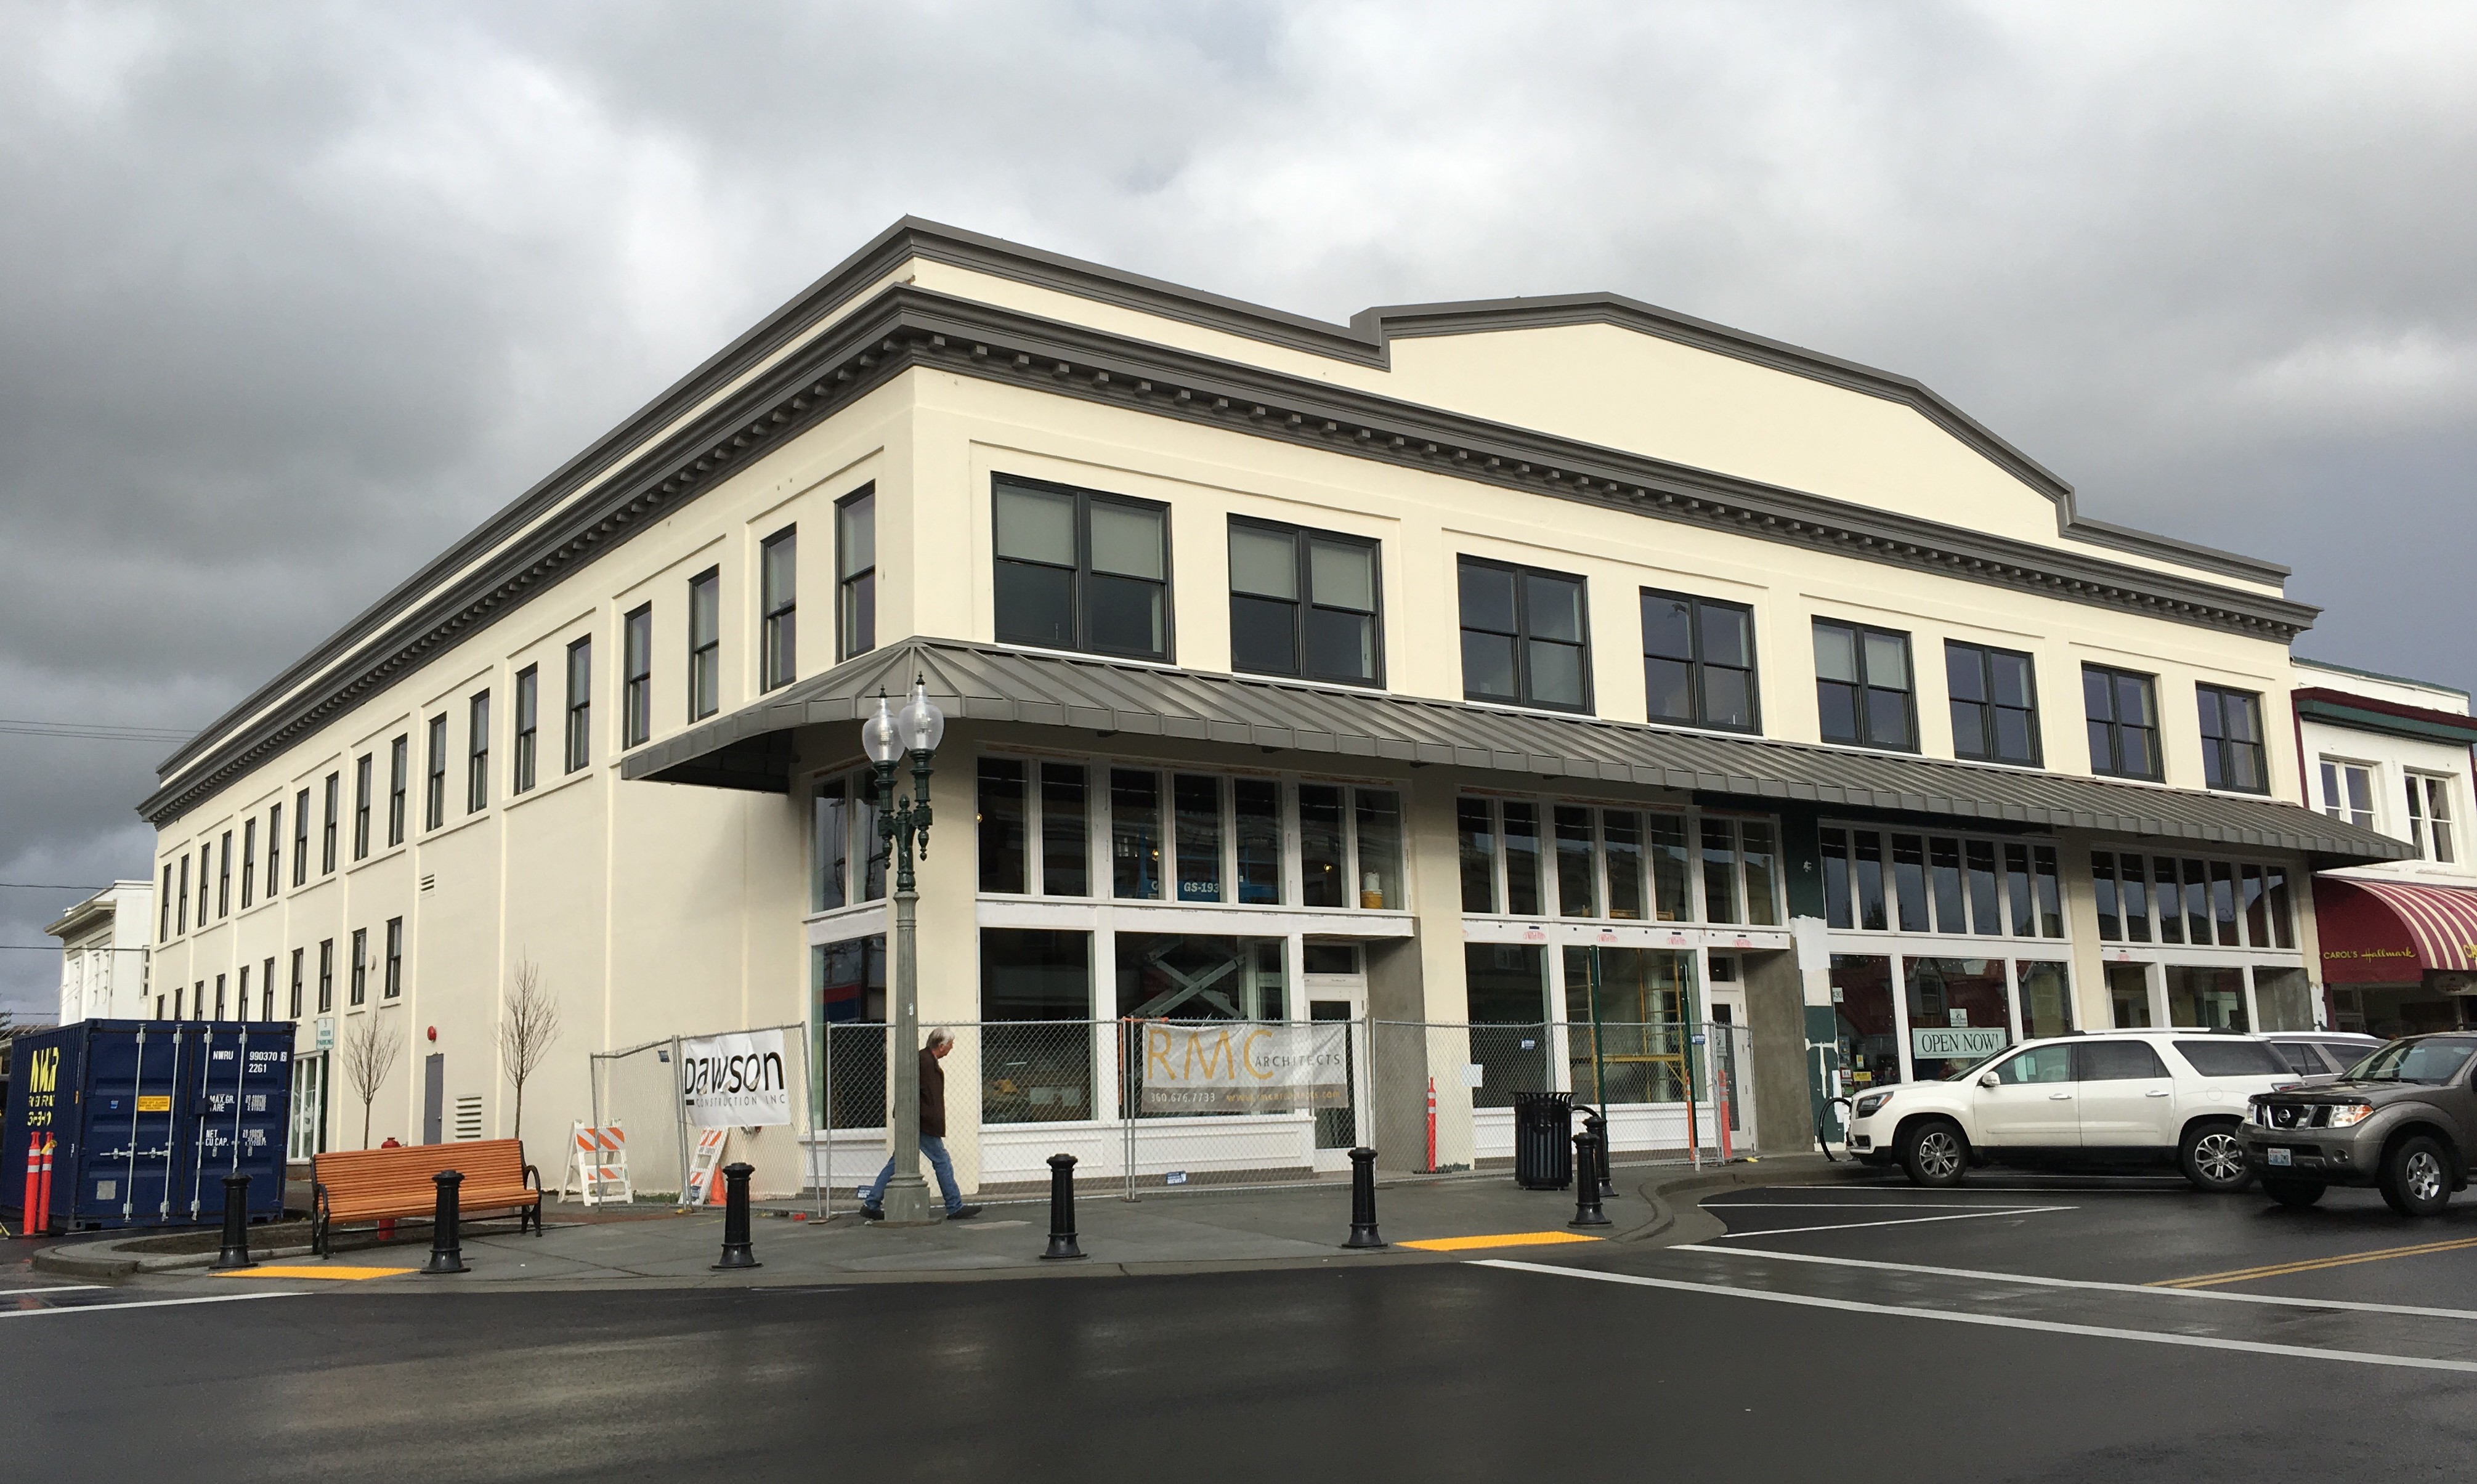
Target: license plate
(2276,1156)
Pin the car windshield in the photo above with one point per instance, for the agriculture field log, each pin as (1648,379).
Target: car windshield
(2430,1062)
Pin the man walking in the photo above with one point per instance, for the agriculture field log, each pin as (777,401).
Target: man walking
(932,1135)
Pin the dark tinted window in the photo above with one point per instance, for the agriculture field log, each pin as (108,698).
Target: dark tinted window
(2231,1058)
(2115,1061)
(2301,1057)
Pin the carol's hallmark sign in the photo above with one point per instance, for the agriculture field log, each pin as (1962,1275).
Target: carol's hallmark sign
(1246,1067)
(734,1080)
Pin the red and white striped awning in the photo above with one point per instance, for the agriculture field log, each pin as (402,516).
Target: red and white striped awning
(2391,932)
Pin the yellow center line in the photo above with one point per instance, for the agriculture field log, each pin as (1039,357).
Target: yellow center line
(1511,1239)
(2310,1265)
(318,1271)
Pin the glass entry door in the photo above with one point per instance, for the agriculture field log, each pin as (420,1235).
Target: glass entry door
(1339,996)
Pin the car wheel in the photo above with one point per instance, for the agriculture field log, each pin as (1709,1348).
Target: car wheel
(2416,1177)
(1934,1153)
(2213,1160)
(2296,1194)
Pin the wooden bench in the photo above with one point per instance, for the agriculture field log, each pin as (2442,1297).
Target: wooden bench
(383,1185)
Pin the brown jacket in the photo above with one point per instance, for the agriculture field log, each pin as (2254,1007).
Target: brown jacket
(932,1096)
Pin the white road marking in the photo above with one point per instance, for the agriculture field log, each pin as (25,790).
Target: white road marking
(1907,1221)
(150,1303)
(57,1288)
(1991,1321)
(1871,1205)
(2107,1287)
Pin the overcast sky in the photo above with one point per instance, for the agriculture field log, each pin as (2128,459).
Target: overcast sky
(293,296)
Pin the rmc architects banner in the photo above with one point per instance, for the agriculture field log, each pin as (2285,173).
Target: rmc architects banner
(1246,1067)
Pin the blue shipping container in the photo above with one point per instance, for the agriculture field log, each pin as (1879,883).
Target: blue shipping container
(148,1117)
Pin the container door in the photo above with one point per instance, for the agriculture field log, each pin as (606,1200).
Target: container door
(42,1108)
(130,1145)
(244,1102)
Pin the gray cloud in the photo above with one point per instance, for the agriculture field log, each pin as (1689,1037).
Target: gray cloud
(296,295)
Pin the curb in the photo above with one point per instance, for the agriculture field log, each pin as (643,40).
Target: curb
(105,1259)
(1677,1198)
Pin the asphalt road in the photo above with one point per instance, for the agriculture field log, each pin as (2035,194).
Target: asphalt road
(1713,1361)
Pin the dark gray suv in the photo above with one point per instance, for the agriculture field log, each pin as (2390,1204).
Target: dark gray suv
(2404,1119)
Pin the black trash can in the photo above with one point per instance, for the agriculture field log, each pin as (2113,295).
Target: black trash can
(1543,1141)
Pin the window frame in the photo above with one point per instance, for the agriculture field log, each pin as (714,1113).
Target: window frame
(1080,576)
(434,803)
(293,1003)
(705,656)
(1865,685)
(1522,637)
(326,976)
(223,878)
(359,971)
(524,770)
(248,862)
(1988,708)
(778,613)
(2332,775)
(636,676)
(2212,701)
(391,984)
(2432,828)
(1303,540)
(2112,767)
(399,780)
(477,752)
(364,784)
(854,638)
(301,838)
(334,788)
(1695,666)
(577,754)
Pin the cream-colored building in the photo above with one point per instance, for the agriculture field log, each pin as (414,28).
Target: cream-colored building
(103,944)
(2393,754)
(1472,663)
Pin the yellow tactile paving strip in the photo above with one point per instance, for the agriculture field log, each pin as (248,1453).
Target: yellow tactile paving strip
(320,1271)
(2312,1265)
(1511,1239)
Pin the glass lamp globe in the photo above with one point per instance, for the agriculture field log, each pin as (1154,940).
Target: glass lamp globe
(922,725)
(879,737)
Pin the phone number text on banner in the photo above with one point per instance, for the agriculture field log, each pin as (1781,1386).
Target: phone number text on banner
(1246,1067)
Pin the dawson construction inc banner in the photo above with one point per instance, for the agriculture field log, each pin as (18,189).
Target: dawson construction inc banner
(1246,1067)
(735,1080)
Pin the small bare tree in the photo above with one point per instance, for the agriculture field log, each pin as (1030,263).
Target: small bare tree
(370,1050)
(526,1032)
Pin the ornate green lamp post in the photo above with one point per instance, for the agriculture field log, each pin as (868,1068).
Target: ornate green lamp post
(902,825)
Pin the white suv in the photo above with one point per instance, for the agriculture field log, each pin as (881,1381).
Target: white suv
(2111,1097)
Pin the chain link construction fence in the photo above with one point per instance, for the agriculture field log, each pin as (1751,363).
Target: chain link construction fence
(1158,1105)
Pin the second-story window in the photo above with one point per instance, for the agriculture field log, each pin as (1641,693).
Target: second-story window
(1302,603)
(362,807)
(392,987)
(181,923)
(2122,711)
(477,753)
(705,645)
(1082,570)
(433,802)
(248,862)
(360,966)
(301,837)
(223,879)
(856,574)
(274,848)
(2232,751)
(1524,638)
(1863,694)
(579,703)
(1698,660)
(528,730)
(1994,704)
(637,689)
(2348,792)
(399,771)
(778,610)
(2429,817)
(327,823)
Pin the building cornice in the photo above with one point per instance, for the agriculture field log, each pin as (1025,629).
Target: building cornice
(605,494)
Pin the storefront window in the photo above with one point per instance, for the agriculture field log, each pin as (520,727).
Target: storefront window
(2212,999)
(1521,859)
(2128,995)
(830,846)
(1066,832)
(847,1004)
(1862,1008)
(1198,803)
(1187,977)
(1958,1013)
(1135,834)
(1379,823)
(1323,872)
(1036,1035)
(2284,999)
(1000,821)
(1577,891)
(2047,993)
(1507,985)
(1634,1049)
(1475,834)
(1259,817)
(2227,903)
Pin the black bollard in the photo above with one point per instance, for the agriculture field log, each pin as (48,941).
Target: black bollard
(1061,1208)
(1586,1185)
(1363,1200)
(446,1238)
(1598,1126)
(235,1252)
(736,1250)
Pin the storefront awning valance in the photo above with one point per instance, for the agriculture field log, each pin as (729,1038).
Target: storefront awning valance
(2391,932)
(751,748)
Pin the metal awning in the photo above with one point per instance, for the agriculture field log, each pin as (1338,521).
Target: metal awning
(751,748)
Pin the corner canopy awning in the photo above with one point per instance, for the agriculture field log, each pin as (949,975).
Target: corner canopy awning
(2391,932)
(752,747)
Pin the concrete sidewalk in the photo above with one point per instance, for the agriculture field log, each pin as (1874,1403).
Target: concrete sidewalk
(1189,1231)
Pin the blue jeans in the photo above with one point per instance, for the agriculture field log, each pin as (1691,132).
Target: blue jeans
(935,1148)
